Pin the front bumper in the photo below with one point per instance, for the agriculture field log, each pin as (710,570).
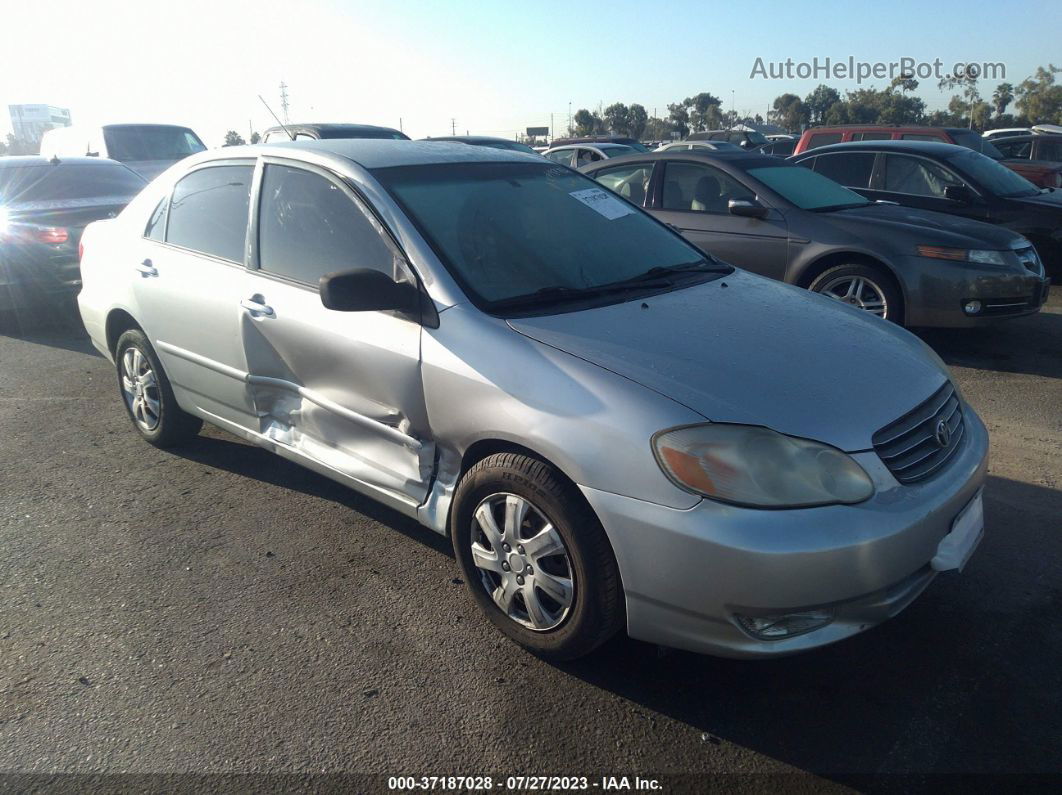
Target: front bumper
(935,291)
(686,573)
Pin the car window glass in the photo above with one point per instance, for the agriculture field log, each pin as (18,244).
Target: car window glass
(917,176)
(586,156)
(871,136)
(851,169)
(303,137)
(920,137)
(1015,149)
(1050,149)
(208,211)
(308,226)
(691,186)
(629,181)
(823,139)
(156,226)
(564,157)
(108,183)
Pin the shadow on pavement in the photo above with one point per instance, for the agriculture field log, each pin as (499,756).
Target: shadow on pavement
(1030,345)
(964,681)
(56,324)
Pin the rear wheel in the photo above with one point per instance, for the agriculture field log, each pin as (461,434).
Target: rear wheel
(863,287)
(147,393)
(535,557)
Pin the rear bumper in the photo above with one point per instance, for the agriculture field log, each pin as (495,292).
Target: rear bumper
(688,573)
(30,277)
(936,291)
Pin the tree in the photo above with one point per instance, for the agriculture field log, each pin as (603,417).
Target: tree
(586,123)
(617,118)
(789,112)
(637,118)
(679,118)
(904,82)
(1039,98)
(819,102)
(256,138)
(703,110)
(1002,97)
(233,138)
(657,129)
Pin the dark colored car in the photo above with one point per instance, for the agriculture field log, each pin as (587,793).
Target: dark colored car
(781,147)
(308,132)
(814,137)
(776,219)
(948,179)
(633,143)
(486,140)
(746,139)
(1038,158)
(45,205)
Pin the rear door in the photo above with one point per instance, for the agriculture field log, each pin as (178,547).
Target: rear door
(189,278)
(695,201)
(341,388)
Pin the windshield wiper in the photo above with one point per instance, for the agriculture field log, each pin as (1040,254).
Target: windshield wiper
(829,208)
(560,293)
(698,266)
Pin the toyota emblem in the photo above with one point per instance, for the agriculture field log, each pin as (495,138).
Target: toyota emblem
(942,433)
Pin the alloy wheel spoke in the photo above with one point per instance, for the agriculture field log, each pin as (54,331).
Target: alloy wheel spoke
(543,544)
(515,511)
(148,380)
(536,611)
(152,407)
(504,593)
(486,559)
(485,520)
(559,589)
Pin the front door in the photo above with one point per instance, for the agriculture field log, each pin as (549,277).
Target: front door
(920,182)
(695,200)
(341,388)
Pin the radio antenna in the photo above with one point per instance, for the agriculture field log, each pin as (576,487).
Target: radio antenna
(285,129)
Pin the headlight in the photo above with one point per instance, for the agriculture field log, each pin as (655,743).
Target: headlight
(980,256)
(754,466)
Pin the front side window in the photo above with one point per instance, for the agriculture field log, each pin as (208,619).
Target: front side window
(917,176)
(629,181)
(513,229)
(208,211)
(308,226)
(823,139)
(564,156)
(692,186)
(851,169)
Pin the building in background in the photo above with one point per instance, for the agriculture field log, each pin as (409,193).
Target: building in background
(30,122)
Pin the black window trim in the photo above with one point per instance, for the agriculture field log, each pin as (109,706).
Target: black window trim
(874,166)
(242,161)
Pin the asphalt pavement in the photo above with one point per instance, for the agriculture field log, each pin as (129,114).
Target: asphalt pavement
(217,609)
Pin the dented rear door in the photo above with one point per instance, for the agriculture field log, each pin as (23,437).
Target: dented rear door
(341,388)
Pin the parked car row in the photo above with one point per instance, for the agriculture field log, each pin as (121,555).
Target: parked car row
(615,429)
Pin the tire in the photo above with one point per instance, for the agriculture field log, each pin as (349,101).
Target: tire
(149,402)
(834,281)
(594,612)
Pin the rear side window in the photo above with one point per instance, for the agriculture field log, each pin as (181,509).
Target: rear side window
(824,139)
(920,137)
(851,169)
(308,226)
(156,225)
(1050,149)
(871,136)
(208,212)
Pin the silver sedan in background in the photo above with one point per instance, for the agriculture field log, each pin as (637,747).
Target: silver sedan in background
(614,429)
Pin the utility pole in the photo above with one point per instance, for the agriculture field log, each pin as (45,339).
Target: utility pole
(569,117)
(733,116)
(284,101)
(453,126)
(400,124)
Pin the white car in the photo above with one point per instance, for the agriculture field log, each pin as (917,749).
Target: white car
(579,155)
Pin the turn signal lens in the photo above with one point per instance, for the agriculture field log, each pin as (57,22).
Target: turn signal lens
(51,234)
(939,252)
(757,467)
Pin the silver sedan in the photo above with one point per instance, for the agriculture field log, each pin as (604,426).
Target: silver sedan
(614,429)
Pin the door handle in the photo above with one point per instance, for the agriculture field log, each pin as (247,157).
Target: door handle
(145,268)
(256,307)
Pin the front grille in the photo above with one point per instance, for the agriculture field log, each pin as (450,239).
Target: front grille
(1030,259)
(911,446)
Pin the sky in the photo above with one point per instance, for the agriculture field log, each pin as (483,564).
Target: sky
(485,67)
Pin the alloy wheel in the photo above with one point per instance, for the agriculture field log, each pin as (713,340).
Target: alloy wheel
(857,291)
(140,388)
(522,562)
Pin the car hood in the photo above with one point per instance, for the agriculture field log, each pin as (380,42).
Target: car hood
(1051,199)
(746,349)
(923,227)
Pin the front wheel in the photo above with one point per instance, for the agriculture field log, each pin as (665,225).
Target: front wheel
(863,287)
(147,393)
(535,557)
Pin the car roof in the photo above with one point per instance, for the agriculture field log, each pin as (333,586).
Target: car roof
(374,153)
(937,148)
(889,127)
(1018,137)
(741,158)
(491,138)
(14,161)
(597,144)
(328,127)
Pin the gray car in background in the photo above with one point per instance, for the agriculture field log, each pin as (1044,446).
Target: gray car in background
(911,266)
(515,357)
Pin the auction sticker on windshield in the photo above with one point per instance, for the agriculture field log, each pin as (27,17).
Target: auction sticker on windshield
(600,200)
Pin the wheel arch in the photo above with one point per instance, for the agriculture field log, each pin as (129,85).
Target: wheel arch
(816,267)
(118,322)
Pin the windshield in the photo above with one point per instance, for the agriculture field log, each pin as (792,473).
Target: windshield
(637,147)
(806,189)
(512,146)
(615,150)
(364,133)
(513,229)
(978,143)
(150,142)
(757,138)
(994,177)
(62,183)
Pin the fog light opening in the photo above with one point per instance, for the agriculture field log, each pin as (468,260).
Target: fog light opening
(972,307)
(786,625)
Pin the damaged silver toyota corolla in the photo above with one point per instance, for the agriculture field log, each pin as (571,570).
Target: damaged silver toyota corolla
(613,428)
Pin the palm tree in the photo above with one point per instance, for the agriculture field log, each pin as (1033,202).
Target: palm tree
(1001,97)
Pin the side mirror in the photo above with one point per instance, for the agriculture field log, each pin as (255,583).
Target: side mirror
(746,208)
(367,290)
(959,193)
